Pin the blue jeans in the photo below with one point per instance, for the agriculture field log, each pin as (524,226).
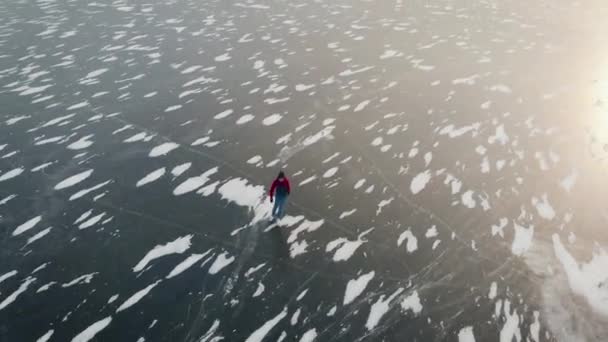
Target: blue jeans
(279,206)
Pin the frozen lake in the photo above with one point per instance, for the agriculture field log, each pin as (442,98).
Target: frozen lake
(447,162)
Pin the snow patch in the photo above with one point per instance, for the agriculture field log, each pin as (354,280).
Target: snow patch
(355,287)
(29,224)
(522,240)
(194,183)
(261,332)
(420,181)
(220,262)
(379,309)
(73,180)
(412,302)
(90,332)
(136,297)
(151,177)
(466,335)
(163,149)
(178,246)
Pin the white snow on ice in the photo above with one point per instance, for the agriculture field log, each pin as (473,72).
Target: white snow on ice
(466,335)
(90,332)
(412,302)
(163,149)
(11,174)
(220,262)
(187,263)
(379,309)
(137,297)
(178,246)
(29,224)
(194,183)
(151,177)
(309,336)
(73,180)
(420,181)
(355,287)
(272,119)
(261,332)
(522,241)
(13,296)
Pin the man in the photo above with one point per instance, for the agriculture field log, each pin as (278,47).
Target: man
(279,190)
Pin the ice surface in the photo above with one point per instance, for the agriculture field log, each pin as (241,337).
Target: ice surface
(178,246)
(415,122)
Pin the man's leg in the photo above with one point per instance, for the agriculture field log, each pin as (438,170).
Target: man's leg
(282,207)
(275,208)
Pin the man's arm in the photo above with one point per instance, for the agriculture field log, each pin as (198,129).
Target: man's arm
(272,188)
(288,186)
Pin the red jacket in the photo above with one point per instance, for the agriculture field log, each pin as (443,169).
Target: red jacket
(280,187)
